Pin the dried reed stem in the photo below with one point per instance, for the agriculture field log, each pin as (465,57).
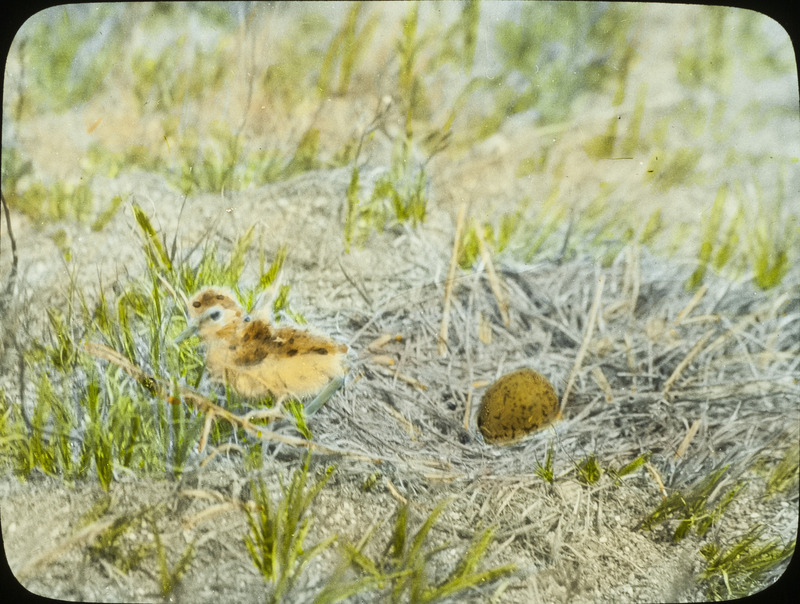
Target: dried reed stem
(396,375)
(657,477)
(223,448)
(468,408)
(381,341)
(383,359)
(441,345)
(636,276)
(395,493)
(587,336)
(692,304)
(494,280)
(602,381)
(201,444)
(209,513)
(411,429)
(684,446)
(696,349)
(84,536)
(178,295)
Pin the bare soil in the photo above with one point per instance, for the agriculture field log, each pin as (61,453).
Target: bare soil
(405,423)
(571,541)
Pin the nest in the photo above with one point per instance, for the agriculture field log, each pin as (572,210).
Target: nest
(662,371)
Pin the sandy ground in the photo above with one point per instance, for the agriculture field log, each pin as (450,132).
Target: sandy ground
(571,542)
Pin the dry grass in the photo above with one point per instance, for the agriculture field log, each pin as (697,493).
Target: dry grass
(698,381)
(658,383)
(404,405)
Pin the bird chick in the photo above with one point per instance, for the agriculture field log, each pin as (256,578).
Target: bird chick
(254,357)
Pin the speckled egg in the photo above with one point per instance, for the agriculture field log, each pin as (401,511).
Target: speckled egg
(517,404)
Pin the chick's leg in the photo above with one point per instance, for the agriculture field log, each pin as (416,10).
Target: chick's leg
(323,396)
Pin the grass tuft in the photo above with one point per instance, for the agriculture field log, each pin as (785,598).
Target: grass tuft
(89,418)
(740,570)
(589,470)
(346,49)
(401,573)
(694,508)
(169,578)
(546,471)
(785,475)
(631,467)
(278,530)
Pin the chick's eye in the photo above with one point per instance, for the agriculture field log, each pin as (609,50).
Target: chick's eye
(215,315)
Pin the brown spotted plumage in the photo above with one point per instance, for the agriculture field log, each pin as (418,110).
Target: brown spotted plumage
(257,359)
(213,296)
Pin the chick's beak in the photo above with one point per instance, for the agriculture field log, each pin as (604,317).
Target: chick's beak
(190,331)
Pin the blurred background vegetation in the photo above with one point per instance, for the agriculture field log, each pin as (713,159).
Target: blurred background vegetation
(567,127)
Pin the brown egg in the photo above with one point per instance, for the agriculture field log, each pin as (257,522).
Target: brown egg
(517,404)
